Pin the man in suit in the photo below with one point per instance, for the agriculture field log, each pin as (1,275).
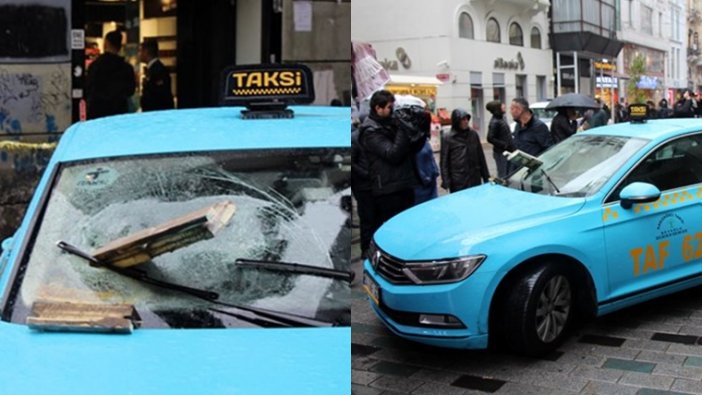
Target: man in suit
(156,88)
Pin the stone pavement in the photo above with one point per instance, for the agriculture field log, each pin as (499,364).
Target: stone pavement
(652,348)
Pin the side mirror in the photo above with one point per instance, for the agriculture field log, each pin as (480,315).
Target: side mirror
(638,192)
(6,244)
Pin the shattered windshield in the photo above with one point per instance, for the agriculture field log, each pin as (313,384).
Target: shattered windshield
(576,167)
(279,206)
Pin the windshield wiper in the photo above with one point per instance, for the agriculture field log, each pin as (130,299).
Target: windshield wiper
(549,180)
(138,274)
(297,268)
(262,317)
(268,317)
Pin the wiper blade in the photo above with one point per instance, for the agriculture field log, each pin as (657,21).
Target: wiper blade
(138,274)
(257,316)
(549,180)
(269,316)
(297,268)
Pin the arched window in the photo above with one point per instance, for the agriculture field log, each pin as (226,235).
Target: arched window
(535,38)
(516,37)
(465,26)
(492,31)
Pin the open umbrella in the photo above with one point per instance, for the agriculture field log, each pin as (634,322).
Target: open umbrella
(573,100)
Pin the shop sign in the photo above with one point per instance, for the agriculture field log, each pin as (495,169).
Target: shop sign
(402,59)
(647,82)
(412,90)
(605,66)
(515,64)
(607,82)
(443,77)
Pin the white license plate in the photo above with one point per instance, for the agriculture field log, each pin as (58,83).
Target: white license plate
(371,288)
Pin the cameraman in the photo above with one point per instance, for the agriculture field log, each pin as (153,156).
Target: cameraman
(390,144)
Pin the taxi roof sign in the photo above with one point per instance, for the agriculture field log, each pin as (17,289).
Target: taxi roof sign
(270,86)
(638,113)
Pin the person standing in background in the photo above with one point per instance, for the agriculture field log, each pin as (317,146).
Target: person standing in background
(462,159)
(427,170)
(499,136)
(156,87)
(110,81)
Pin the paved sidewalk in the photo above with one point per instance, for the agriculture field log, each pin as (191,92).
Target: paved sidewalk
(653,348)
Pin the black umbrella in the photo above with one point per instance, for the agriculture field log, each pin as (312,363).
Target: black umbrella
(573,100)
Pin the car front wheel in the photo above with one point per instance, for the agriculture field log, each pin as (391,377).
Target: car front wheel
(538,310)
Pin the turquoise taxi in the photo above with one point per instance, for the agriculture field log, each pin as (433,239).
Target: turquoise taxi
(187,251)
(606,219)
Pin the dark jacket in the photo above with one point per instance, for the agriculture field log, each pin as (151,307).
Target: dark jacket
(599,118)
(390,156)
(156,91)
(684,109)
(109,84)
(462,159)
(499,135)
(360,178)
(428,172)
(534,138)
(562,127)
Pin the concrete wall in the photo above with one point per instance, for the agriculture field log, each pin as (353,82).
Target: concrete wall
(326,48)
(248,31)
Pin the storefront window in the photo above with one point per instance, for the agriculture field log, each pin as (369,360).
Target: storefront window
(535,38)
(516,37)
(465,26)
(492,32)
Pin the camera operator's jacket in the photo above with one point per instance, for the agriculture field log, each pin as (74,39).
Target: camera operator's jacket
(390,155)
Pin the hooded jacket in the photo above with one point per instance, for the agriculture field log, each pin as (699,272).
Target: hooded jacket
(499,134)
(463,162)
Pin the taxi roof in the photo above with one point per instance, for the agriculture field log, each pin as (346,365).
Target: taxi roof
(204,129)
(653,129)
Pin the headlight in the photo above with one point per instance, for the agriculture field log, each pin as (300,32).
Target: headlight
(373,255)
(438,272)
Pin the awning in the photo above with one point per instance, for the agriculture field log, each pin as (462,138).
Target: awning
(413,79)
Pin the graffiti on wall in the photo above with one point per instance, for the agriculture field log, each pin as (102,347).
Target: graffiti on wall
(35,102)
(34,99)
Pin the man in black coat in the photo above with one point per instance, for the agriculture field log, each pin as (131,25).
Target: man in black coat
(499,136)
(362,190)
(531,135)
(390,154)
(156,87)
(564,124)
(110,81)
(462,159)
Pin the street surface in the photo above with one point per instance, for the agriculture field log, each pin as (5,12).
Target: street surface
(652,348)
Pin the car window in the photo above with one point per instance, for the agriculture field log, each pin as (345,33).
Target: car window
(543,113)
(578,166)
(673,165)
(288,208)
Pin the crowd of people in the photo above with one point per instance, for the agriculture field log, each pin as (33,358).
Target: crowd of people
(394,168)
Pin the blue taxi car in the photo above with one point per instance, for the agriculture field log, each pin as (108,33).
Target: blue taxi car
(259,306)
(609,218)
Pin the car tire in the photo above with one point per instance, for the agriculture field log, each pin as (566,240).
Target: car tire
(538,310)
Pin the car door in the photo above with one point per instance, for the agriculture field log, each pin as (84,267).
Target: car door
(656,244)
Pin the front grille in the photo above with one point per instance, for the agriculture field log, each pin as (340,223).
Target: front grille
(390,268)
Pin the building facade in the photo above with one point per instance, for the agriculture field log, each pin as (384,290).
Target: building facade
(694,52)
(654,29)
(475,51)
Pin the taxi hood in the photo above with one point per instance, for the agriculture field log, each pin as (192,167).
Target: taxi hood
(449,226)
(149,361)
